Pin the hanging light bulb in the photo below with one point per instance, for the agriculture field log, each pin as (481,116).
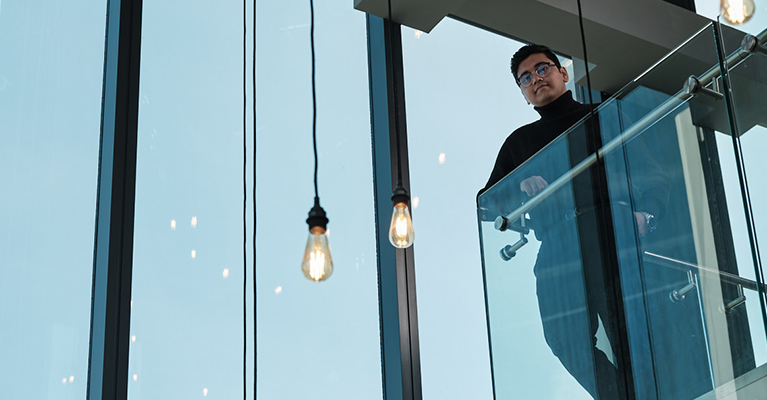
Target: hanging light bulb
(401,233)
(737,12)
(317,264)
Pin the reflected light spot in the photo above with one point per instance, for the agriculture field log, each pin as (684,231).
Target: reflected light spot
(135,377)
(441,158)
(133,338)
(567,63)
(63,381)
(225,273)
(416,200)
(204,391)
(131,304)
(194,253)
(278,290)
(194,222)
(71,378)
(418,34)
(173,224)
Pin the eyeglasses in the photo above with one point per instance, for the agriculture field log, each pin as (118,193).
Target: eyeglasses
(542,69)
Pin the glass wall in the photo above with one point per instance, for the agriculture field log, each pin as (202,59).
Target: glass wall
(50,112)
(314,340)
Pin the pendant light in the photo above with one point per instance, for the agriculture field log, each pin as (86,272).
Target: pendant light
(317,265)
(737,12)
(401,232)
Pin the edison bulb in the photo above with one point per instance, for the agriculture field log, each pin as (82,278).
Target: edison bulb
(737,11)
(317,264)
(401,234)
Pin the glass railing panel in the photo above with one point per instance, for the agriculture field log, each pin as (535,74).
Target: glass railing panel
(651,212)
(684,286)
(538,306)
(676,326)
(747,80)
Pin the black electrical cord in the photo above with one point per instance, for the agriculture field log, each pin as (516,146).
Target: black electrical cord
(394,98)
(314,100)
(255,216)
(244,201)
(585,54)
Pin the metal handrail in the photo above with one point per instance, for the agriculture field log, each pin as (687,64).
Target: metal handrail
(686,266)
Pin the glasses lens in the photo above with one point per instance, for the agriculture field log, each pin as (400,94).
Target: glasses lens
(543,70)
(526,79)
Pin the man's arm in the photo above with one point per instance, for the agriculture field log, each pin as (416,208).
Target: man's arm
(506,199)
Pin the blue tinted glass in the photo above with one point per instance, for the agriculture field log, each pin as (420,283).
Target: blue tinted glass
(50,114)
(314,340)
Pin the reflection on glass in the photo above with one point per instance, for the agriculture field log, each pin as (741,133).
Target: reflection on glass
(666,305)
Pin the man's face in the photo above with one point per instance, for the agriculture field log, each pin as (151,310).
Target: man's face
(543,90)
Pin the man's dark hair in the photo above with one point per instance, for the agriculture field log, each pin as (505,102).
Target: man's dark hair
(529,50)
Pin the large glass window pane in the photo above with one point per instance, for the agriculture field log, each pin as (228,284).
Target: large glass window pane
(50,113)
(454,133)
(314,340)
(462,103)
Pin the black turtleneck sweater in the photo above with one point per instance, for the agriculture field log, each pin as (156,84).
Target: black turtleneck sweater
(651,193)
(524,142)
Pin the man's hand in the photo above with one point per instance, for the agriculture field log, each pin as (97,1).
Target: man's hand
(533,185)
(641,224)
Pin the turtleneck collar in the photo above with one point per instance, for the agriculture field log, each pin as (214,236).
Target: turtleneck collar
(559,107)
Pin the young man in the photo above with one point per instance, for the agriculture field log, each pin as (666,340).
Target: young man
(572,259)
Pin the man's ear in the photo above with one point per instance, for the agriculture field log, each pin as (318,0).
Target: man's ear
(566,77)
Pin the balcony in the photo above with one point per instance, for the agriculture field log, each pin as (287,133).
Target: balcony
(632,268)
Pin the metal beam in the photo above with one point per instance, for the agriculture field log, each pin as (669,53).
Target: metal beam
(396,275)
(113,249)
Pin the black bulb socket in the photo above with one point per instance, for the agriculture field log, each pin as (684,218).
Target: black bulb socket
(317,217)
(400,195)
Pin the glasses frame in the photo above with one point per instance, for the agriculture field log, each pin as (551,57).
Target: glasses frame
(539,70)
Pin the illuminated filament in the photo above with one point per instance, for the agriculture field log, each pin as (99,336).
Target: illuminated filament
(401,226)
(316,264)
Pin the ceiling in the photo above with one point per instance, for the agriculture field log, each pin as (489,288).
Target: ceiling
(624,37)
